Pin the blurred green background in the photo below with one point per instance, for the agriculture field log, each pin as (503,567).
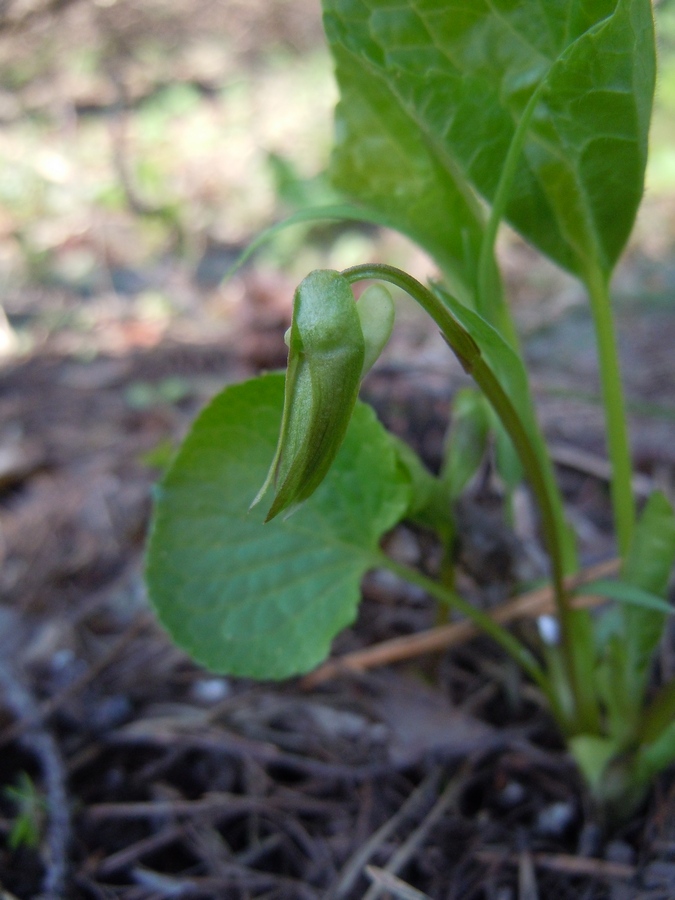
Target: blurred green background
(144,143)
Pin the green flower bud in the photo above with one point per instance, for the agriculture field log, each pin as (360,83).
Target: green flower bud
(325,361)
(376,314)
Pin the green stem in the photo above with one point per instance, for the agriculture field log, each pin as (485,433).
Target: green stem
(616,424)
(469,355)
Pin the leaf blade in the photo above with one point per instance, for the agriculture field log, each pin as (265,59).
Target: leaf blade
(464,73)
(260,600)
(630,595)
(382,160)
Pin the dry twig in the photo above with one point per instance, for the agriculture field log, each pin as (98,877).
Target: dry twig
(385,881)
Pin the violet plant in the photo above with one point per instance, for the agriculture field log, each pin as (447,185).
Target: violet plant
(453,118)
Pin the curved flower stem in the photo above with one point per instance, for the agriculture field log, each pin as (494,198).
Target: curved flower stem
(468,352)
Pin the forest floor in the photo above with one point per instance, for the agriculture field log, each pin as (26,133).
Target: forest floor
(135,774)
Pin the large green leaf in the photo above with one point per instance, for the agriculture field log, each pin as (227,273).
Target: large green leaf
(383,160)
(577,75)
(265,600)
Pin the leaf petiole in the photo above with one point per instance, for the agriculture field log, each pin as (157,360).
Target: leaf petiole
(621,487)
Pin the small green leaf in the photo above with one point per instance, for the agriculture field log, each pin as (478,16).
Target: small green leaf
(648,567)
(507,464)
(652,553)
(629,594)
(467,439)
(629,633)
(615,779)
(30,805)
(429,504)
(592,754)
(159,456)
(256,600)
(376,315)
(658,754)
(657,732)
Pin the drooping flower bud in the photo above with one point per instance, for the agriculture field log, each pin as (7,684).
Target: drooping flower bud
(325,362)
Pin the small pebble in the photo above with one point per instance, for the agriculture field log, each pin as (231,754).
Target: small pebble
(555,819)
(210,690)
(511,795)
(590,840)
(504,893)
(62,658)
(660,874)
(549,630)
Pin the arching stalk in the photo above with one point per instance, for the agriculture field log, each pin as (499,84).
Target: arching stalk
(468,352)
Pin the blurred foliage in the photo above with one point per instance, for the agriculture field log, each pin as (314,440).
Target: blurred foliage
(30,812)
(129,129)
(136,136)
(661,176)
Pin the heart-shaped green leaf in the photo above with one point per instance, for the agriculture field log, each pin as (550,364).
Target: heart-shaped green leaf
(570,81)
(266,600)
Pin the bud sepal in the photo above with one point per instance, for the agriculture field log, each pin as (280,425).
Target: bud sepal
(325,363)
